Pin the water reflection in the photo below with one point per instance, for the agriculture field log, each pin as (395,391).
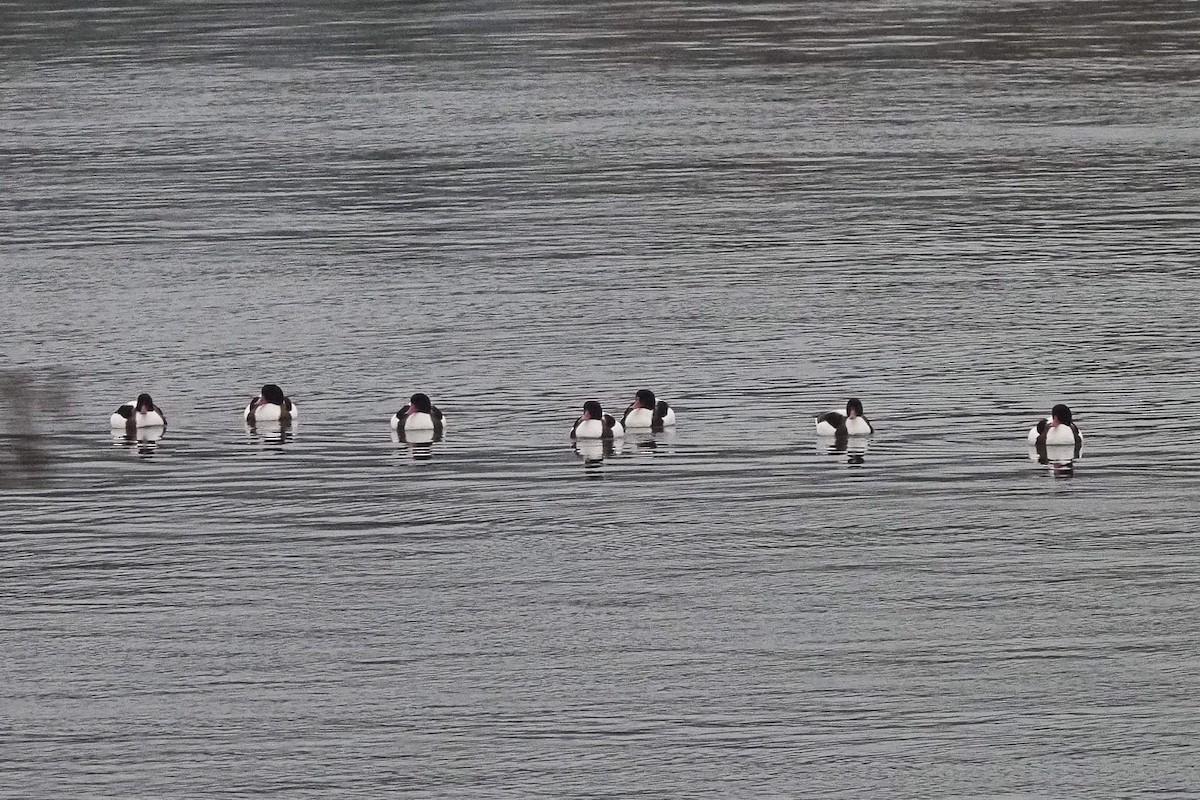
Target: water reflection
(1060,458)
(650,442)
(143,442)
(853,447)
(272,433)
(593,451)
(420,443)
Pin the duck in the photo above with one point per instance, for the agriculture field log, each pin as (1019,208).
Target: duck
(645,412)
(141,413)
(1056,429)
(270,406)
(595,424)
(850,423)
(419,415)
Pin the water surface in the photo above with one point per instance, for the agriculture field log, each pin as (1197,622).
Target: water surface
(959,212)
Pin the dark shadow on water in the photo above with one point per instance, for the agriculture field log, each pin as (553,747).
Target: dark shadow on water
(25,456)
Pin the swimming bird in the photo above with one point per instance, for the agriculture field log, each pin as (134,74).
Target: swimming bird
(595,424)
(141,413)
(271,406)
(1056,429)
(645,412)
(419,415)
(851,423)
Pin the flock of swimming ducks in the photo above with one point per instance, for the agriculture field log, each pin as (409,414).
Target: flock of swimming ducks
(646,412)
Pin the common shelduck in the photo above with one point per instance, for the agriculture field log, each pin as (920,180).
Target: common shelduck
(141,413)
(645,412)
(271,406)
(851,423)
(1056,429)
(595,424)
(419,415)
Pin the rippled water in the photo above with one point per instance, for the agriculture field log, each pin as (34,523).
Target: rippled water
(959,212)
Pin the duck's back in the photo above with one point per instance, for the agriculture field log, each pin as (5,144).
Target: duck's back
(269,412)
(141,419)
(1060,435)
(858,426)
(828,423)
(1054,434)
(639,418)
(419,421)
(598,428)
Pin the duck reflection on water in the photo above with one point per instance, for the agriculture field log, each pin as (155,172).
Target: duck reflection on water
(272,433)
(142,441)
(593,451)
(650,442)
(1060,458)
(419,443)
(853,447)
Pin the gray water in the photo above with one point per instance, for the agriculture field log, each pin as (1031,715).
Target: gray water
(959,212)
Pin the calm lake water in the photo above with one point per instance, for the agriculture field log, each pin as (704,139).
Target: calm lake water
(961,212)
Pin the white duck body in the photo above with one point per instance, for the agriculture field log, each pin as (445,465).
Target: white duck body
(858,426)
(593,451)
(150,433)
(595,429)
(1054,454)
(269,412)
(644,418)
(419,421)
(1056,435)
(141,419)
(406,436)
(855,426)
